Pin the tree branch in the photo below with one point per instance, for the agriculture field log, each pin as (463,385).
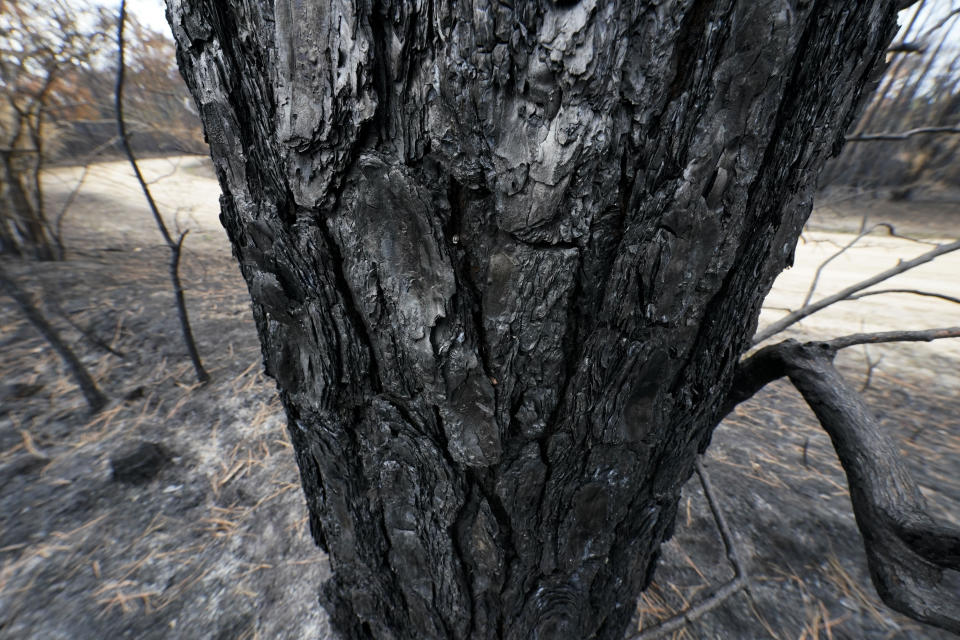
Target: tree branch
(905,47)
(766,365)
(91,392)
(907,550)
(928,335)
(915,292)
(900,135)
(739,581)
(864,231)
(845,294)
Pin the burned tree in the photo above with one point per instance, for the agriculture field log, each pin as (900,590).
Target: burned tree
(504,259)
(39,43)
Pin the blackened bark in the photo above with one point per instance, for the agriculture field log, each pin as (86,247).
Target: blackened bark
(23,230)
(503,261)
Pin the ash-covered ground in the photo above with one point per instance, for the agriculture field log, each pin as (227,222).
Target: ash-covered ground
(211,540)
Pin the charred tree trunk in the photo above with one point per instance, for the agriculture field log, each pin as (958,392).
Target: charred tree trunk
(503,264)
(23,230)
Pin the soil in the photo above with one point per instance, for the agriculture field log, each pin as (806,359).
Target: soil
(207,536)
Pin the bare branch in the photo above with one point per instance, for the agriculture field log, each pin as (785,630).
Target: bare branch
(907,550)
(901,135)
(765,366)
(122,128)
(942,21)
(175,246)
(905,47)
(58,221)
(816,276)
(845,294)
(892,336)
(94,397)
(916,292)
(871,366)
(739,581)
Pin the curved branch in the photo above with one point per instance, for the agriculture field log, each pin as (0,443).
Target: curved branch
(766,365)
(810,309)
(907,550)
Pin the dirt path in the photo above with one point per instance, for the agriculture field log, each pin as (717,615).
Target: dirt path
(110,203)
(217,544)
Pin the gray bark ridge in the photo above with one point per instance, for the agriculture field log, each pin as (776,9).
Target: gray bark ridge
(504,259)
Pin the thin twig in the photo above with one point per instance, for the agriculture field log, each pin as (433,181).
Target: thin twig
(916,292)
(927,335)
(871,366)
(900,135)
(739,581)
(810,309)
(816,276)
(58,223)
(864,231)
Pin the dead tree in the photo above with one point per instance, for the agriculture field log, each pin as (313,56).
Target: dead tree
(40,41)
(504,260)
(175,246)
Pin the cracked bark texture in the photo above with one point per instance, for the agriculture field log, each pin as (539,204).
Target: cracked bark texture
(503,258)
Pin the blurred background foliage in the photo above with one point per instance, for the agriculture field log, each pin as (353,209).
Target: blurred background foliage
(57,75)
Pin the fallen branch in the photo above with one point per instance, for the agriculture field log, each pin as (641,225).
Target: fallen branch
(845,294)
(739,581)
(907,550)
